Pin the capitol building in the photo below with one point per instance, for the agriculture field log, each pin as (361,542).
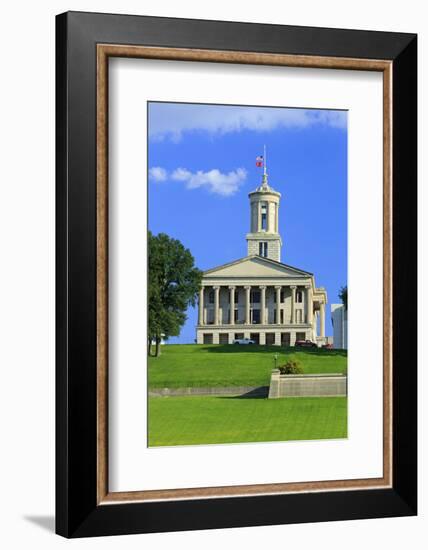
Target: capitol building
(258,296)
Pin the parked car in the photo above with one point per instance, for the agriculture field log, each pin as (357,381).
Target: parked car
(244,341)
(305,344)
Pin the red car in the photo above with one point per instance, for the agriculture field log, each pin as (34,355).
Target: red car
(305,344)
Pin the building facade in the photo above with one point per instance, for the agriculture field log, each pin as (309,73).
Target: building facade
(257,296)
(339,319)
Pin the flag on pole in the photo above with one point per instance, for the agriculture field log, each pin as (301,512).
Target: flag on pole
(259,161)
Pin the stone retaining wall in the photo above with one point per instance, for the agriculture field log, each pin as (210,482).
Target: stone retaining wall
(241,391)
(281,385)
(307,385)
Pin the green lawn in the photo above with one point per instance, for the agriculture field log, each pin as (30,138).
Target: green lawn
(228,365)
(204,420)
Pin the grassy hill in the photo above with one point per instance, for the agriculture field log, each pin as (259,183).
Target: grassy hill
(228,365)
(205,420)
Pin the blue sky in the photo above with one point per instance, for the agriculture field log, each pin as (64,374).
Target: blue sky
(202,167)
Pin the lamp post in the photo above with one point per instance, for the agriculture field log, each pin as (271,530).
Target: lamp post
(275,357)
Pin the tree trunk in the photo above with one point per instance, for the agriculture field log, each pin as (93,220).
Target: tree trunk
(158,349)
(149,347)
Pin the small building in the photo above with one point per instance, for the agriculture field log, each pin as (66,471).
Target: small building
(339,319)
(258,296)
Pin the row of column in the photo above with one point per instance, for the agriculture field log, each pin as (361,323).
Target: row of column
(278,289)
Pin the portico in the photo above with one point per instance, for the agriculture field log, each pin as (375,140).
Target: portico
(276,304)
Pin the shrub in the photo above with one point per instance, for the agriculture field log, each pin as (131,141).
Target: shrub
(291,367)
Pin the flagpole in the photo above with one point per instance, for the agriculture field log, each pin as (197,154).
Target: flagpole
(264,160)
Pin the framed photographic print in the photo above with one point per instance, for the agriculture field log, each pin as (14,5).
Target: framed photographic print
(219,187)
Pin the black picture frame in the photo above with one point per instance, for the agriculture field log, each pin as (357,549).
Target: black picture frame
(77,511)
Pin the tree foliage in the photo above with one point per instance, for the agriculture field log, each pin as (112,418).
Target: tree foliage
(174,283)
(343,295)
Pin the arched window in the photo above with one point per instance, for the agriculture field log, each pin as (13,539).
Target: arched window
(264,216)
(299,296)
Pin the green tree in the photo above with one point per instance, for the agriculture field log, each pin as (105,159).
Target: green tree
(174,283)
(343,295)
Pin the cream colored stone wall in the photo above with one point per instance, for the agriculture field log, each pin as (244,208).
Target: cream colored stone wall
(274,247)
(253,248)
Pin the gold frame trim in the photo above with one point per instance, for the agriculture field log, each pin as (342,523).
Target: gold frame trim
(104,51)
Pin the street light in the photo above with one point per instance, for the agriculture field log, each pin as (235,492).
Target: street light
(275,358)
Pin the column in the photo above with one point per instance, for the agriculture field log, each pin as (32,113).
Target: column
(247,304)
(263,305)
(253,225)
(276,217)
(216,304)
(278,304)
(201,306)
(293,301)
(309,305)
(232,305)
(322,320)
(272,217)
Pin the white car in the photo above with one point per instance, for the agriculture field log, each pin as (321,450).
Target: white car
(243,341)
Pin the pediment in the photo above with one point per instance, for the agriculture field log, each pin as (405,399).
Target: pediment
(255,266)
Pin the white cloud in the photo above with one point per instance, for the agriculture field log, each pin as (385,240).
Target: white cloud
(335,119)
(158,174)
(171,120)
(214,181)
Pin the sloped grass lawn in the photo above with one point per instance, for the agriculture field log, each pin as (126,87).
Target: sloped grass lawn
(231,365)
(205,420)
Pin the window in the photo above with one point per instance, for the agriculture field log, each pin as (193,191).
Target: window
(299,296)
(236,317)
(263,249)
(211,297)
(256,316)
(255,296)
(264,216)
